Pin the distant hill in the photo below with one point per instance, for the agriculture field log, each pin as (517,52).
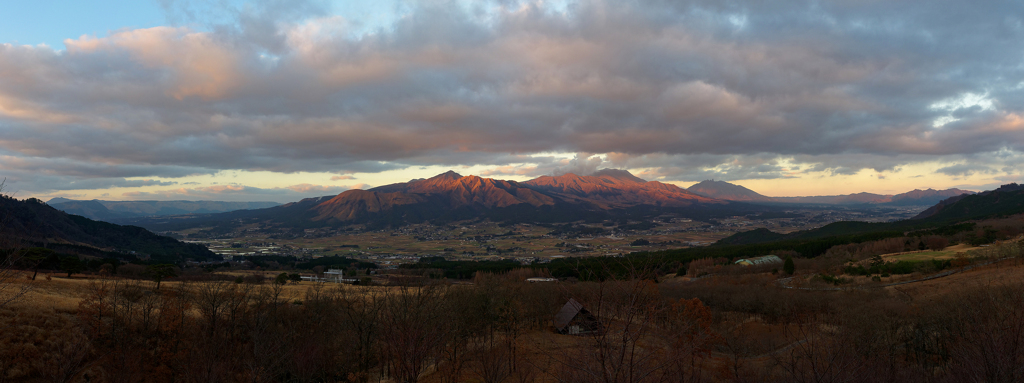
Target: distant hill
(732,192)
(926,197)
(31,223)
(727,191)
(114,210)
(1006,200)
(93,209)
(844,199)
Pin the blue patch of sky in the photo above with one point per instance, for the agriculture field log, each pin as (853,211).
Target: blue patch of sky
(370,17)
(50,22)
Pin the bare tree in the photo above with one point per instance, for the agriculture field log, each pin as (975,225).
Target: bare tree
(412,329)
(820,353)
(985,330)
(360,311)
(10,255)
(687,325)
(628,347)
(266,351)
(66,357)
(493,364)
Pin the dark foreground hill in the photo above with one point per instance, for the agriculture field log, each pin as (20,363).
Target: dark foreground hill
(32,223)
(1006,200)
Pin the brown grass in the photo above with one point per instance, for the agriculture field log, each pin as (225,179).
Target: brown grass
(925,255)
(1002,273)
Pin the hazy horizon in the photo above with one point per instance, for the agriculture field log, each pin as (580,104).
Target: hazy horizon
(372,186)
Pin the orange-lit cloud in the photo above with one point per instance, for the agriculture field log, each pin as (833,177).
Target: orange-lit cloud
(201,65)
(676,91)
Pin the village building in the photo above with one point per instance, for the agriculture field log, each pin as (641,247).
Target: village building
(762,260)
(574,319)
(535,280)
(332,275)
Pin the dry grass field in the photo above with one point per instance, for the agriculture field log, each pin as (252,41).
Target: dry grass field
(925,255)
(1006,273)
(751,330)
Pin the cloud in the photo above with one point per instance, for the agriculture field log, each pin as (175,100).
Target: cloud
(342,177)
(582,164)
(308,188)
(964,170)
(28,181)
(237,192)
(685,90)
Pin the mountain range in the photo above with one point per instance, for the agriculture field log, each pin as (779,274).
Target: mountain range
(453,193)
(731,192)
(110,210)
(950,216)
(607,194)
(447,197)
(451,197)
(32,223)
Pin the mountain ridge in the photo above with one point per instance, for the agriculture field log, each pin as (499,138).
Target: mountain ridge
(1007,199)
(726,191)
(605,189)
(611,188)
(450,196)
(31,223)
(732,192)
(112,210)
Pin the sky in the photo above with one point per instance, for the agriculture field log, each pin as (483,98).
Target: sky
(279,100)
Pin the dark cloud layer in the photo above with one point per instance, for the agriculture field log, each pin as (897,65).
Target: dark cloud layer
(687,89)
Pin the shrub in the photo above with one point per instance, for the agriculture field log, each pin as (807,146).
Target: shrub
(936,242)
(833,279)
(640,242)
(281,279)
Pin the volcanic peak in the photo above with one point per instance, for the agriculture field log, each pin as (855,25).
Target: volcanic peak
(617,174)
(450,190)
(726,191)
(616,188)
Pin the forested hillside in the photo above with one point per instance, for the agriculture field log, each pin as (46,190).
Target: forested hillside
(32,223)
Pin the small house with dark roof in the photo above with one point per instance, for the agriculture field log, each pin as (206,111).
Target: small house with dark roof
(574,319)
